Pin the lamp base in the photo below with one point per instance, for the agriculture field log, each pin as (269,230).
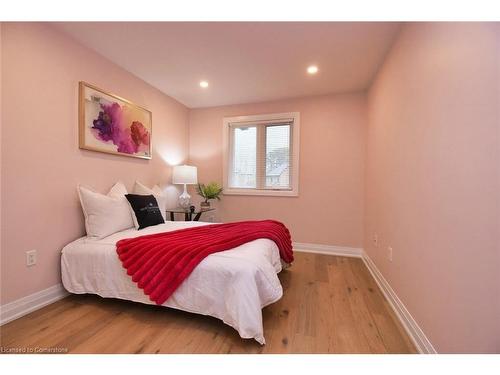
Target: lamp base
(185,199)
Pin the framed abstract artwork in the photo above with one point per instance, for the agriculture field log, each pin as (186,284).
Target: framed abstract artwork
(111,124)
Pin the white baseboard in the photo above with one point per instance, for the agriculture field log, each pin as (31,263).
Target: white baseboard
(35,301)
(328,249)
(415,333)
(413,330)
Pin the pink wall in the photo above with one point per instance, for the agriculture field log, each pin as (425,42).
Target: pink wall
(433,180)
(430,173)
(41,162)
(329,209)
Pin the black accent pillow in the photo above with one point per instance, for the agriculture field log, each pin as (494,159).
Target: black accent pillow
(146,210)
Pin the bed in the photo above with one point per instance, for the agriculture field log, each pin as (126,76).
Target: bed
(232,285)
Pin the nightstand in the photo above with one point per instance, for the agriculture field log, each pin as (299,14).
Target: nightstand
(188,214)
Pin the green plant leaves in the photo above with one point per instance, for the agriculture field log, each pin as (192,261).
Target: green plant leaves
(209,191)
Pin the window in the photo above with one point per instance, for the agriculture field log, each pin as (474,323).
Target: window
(261,154)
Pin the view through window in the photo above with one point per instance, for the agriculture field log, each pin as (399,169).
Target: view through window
(260,154)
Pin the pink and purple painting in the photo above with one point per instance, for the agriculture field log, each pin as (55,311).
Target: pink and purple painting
(112,124)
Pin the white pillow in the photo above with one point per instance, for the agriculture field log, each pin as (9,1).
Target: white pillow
(105,214)
(161,197)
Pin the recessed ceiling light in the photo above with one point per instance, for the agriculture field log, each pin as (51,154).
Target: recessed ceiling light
(313,69)
(204,84)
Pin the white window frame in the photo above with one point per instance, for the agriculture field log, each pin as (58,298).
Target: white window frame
(295,143)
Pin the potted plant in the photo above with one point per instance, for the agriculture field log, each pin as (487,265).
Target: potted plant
(209,191)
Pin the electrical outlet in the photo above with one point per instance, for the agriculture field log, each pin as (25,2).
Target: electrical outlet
(375,240)
(30,258)
(389,253)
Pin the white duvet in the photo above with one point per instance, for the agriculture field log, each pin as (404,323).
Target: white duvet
(232,285)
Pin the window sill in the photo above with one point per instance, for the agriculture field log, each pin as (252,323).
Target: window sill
(269,193)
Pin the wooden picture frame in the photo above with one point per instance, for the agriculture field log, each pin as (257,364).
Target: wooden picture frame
(111,124)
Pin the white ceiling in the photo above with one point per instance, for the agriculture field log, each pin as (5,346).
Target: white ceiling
(243,62)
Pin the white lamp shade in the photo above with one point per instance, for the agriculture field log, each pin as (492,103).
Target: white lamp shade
(185,174)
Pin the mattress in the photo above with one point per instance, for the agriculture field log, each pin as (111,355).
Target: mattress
(232,285)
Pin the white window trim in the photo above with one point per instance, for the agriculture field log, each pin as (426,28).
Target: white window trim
(294,192)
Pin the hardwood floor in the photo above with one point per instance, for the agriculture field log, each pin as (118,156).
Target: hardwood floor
(330,305)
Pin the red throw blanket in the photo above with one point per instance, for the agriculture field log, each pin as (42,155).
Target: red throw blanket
(160,262)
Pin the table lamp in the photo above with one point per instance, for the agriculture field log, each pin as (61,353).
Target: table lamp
(186,175)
